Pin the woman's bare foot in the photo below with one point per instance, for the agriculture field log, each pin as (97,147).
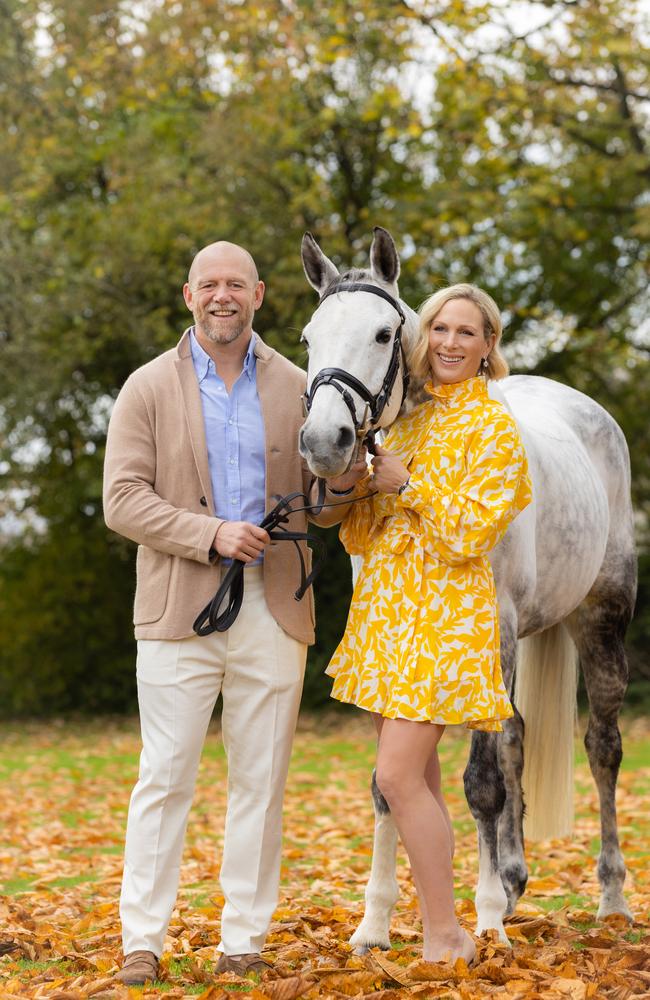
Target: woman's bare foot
(461,946)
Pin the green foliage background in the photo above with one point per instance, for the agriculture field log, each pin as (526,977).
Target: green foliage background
(501,143)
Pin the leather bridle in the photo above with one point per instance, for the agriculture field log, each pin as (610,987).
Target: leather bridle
(338,378)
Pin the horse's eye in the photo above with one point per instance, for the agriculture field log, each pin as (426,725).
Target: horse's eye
(383,337)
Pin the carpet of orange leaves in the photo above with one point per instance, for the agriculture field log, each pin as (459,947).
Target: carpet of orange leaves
(65,791)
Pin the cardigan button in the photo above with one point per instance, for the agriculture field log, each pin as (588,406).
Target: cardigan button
(203,502)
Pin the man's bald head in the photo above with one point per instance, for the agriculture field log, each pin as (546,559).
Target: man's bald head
(224,253)
(223,292)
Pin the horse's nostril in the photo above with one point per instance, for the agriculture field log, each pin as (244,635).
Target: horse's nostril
(301,438)
(345,438)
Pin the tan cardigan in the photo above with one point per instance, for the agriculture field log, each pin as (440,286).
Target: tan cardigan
(157,491)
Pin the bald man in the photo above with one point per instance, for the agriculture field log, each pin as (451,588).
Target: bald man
(200,441)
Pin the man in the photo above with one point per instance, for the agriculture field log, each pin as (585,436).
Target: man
(199,442)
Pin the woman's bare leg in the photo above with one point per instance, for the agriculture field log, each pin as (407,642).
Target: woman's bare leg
(404,754)
(433,778)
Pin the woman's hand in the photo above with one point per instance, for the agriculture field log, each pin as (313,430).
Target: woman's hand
(389,472)
(350,478)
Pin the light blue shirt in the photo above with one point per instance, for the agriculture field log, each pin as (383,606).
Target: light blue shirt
(234,433)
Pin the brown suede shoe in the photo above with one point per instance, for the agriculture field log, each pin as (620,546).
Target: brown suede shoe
(242,964)
(138,968)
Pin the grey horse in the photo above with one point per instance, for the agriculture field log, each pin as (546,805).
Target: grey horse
(565,575)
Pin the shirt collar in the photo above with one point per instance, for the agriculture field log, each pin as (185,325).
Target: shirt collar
(458,392)
(203,363)
(250,360)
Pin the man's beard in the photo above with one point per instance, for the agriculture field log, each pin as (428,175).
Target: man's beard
(222,330)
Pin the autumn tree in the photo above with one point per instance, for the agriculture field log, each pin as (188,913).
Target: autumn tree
(507,153)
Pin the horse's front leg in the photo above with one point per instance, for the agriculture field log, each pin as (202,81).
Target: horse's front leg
(382,891)
(486,795)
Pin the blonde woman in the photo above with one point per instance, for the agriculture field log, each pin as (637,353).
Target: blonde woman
(421,646)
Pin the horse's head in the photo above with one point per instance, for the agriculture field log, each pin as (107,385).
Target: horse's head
(356,367)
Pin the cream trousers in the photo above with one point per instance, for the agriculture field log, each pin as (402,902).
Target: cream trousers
(259,671)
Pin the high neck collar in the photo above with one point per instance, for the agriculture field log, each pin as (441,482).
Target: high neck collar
(458,392)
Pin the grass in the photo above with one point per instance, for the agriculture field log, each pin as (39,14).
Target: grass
(28,966)
(66,798)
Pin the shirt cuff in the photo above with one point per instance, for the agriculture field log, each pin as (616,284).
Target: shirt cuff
(416,496)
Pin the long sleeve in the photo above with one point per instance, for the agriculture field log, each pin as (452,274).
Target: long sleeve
(468,521)
(131,505)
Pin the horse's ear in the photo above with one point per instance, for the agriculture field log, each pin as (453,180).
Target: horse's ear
(384,262)
(319,269)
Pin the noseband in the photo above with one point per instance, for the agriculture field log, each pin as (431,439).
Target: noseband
(338,378)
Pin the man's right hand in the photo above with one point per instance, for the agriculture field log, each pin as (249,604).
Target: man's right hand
(240,540)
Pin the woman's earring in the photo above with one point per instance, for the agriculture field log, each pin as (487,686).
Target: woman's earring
(483,367)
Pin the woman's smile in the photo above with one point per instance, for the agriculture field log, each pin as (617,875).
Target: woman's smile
(457,344)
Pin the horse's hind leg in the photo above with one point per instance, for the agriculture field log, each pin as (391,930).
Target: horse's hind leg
(510,756)
(486,795)
(382,891)
(493,790)
(598,628)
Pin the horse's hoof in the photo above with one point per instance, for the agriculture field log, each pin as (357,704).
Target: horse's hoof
(615,909)
(493,926)
(362,944)
(363,949)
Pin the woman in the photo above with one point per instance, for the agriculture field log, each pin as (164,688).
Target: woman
(421,646)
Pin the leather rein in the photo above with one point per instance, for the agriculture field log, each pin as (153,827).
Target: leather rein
(231,590)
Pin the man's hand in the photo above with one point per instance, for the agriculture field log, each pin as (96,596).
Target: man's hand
(240,540)
(350,478)
(389,472)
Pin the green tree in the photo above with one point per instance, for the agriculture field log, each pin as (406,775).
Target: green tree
(516,158)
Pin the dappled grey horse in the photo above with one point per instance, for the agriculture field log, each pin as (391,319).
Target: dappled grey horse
(565,576)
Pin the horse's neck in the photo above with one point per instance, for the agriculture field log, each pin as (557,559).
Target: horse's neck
(415,394)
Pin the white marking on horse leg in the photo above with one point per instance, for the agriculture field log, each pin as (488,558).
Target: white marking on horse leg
(382,891)
(491,900)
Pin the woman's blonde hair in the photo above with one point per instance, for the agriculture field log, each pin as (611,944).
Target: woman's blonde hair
(497,366)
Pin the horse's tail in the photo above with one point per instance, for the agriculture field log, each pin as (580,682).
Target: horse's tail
(545,694)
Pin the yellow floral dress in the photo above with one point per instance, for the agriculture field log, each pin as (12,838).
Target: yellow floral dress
(422,638)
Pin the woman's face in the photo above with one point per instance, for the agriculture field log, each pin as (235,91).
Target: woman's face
(457,342)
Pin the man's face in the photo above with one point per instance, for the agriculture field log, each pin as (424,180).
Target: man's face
(223,294)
